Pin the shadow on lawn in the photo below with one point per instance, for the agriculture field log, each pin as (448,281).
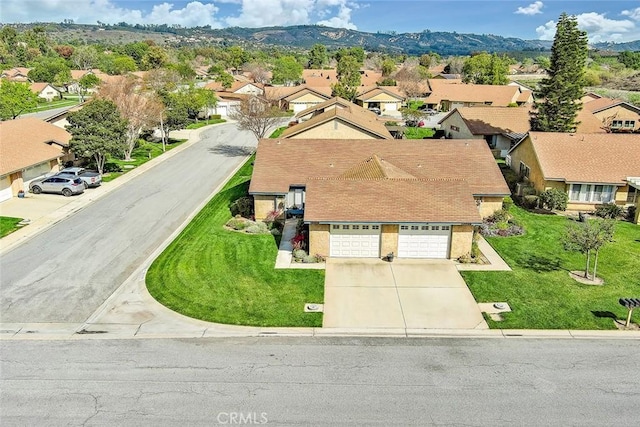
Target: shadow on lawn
(540,264)
(231,150)
(604,315)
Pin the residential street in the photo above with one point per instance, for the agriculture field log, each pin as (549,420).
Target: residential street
(314,381)
(66,272)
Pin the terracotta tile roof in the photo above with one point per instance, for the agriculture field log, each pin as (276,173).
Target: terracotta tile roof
(23,143)
(602,104)
(354,115)
(500,96)
(390,200)
(489,120)
(325,78)
(237,85)
(375,168)
(281,163)
(592,158)
(370,93)
(329,103)
(282,92)
(39,87)
(305,91)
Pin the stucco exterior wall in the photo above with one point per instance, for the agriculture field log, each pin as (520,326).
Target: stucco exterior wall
(524,153)
(618,113)
(262,205)
(389,239)
(456,121)
(461,239)
(319,239)
(488,205)
(334,129)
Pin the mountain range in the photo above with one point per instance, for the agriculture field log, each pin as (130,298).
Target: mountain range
(305,36)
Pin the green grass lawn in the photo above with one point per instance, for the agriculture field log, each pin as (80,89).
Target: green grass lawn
(54,104)
(539,289)
(418,133)
(276,133)
(8,225)
(222,276)
(140,155)
(203,123)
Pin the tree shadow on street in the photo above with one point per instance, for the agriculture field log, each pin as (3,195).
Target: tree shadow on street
(231,150)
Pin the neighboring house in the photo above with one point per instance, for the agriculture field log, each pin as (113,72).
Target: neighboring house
(335,102)
(364,198)
(30,149)
(297,98)
(45,91)
(616,115)
(446,97)
(501,127)
(238,87)
(352,122)
(326,78)
(381,98)
(591,168)
(17,74)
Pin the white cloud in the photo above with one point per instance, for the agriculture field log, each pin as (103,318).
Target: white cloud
(260,13)
(343,18)
(599,28)
(533,9)
(633,14)
(195,13)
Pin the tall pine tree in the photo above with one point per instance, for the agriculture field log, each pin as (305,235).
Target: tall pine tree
(558,97)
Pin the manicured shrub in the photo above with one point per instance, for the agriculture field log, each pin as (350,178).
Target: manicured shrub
(554,199)
(608,210)
(511,177)
(257,228)
(530,201)
(309,259)
(507,203)
(500,215)
(631,213)
(215,116)
(299,254)
(243,207)
(237,223)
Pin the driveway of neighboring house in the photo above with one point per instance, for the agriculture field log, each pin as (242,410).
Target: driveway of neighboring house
(408,294)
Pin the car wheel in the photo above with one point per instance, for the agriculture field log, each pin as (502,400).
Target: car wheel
(36,190)
(85,184)
(66,192)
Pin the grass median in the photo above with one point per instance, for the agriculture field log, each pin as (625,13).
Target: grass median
(8,225)
(217,275)
(540,291)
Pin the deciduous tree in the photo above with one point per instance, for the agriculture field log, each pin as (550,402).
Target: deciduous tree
(349,78)
(286,70)
(257,115)
(558,98)
(587,237)
(86,82)
(486,69)
(15,99)
(140,109)
(97,131)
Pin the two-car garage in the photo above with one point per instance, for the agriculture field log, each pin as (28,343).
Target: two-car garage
(413,240)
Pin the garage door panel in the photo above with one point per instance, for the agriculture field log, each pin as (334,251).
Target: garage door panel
(423,241)
(355,241)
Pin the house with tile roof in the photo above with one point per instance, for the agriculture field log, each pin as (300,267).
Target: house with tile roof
(382,98)
(45,91)
(16,74)
(591,168)
(30,148)
(339,122)
(366,198)
(616,115)
(325,78)
(502,127)
(297,98)
(335,102)
(446,97)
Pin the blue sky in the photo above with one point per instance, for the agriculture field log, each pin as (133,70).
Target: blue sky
(604,20)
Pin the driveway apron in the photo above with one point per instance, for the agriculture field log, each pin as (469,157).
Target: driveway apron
(409,294)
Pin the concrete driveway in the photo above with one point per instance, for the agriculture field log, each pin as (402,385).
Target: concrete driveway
(407,294)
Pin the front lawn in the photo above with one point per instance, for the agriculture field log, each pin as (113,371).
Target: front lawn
(8,225)
(203,123)
(145,151)
(223,276)
(539,289)
(418,133)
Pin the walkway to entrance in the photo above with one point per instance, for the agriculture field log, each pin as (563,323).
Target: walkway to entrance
(408,294)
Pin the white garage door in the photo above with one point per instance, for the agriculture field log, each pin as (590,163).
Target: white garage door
(5,189)
(423,241)
(355,241)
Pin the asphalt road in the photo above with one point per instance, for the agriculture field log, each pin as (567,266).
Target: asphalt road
(66,272)
(278,381)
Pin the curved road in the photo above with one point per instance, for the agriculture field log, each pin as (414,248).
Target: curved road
(65,273)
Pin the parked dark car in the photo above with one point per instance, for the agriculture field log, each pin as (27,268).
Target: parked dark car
(57,184)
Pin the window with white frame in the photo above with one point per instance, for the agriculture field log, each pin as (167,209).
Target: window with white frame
(524,170)
(375,227)
(335,227)
(593,193)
